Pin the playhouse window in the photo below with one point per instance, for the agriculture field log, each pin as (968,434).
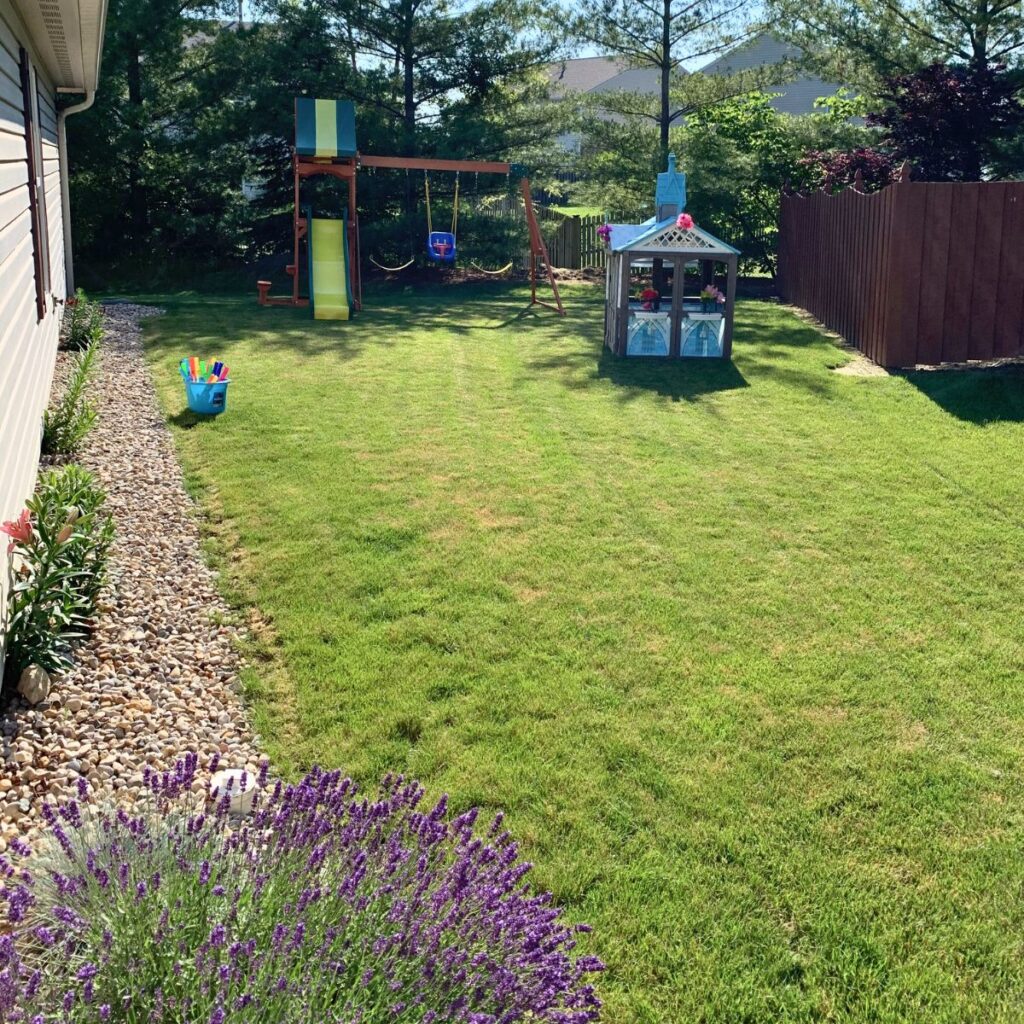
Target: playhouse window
(36,183)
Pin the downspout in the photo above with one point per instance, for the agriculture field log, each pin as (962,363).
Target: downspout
(65,190)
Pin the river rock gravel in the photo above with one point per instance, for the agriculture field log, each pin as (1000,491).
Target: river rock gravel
(159,676)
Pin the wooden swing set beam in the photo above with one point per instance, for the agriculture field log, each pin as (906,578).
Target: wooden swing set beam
(413,163)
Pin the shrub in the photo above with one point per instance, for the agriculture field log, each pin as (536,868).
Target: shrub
(322,906)
(65,425)
(62,540)
(83,323)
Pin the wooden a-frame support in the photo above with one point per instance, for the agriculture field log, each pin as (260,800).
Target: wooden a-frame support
(538,250)
(346,168)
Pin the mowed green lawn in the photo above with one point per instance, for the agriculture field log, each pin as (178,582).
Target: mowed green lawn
(737,647)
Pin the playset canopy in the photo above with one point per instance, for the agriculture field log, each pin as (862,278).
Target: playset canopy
(325,143)
(673,325)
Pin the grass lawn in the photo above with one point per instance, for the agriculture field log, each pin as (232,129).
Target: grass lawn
(579,211)
(737,647)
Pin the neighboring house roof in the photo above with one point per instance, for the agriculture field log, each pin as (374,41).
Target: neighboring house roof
(645,80)
(754,53)
(584,74)
(68,36)
(764,50)
(208,32)
(796,97)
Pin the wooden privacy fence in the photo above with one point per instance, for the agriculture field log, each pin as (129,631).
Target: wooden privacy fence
(572,242)
(920,272)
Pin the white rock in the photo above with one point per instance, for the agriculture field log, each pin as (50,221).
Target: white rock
(34,684)
(241,784)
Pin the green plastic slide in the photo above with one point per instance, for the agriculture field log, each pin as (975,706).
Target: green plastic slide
(328,269)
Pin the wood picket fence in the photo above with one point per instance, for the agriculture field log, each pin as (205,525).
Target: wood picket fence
(917,273)
(572,241)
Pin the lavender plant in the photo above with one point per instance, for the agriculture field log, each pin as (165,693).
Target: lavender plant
(322,906)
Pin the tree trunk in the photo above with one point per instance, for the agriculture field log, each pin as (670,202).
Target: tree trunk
(137,211)
(409,100)
(666,79)
(664,115)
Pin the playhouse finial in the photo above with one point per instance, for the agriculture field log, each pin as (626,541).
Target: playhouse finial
(670,194)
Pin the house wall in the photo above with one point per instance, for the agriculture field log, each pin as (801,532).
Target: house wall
(28,345)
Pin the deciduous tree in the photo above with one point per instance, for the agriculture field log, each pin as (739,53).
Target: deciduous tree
(664,35)
(951,121)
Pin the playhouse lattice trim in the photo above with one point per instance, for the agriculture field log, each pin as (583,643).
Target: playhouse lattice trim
(679,238)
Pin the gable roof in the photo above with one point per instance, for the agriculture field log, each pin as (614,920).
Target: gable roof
(644,80)
(667,236)
(583,74)
(759,51)
(764,50)
(611,74)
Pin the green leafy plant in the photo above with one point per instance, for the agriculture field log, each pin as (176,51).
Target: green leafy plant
(71,493)
(83,323)
(66,424)
(61,543)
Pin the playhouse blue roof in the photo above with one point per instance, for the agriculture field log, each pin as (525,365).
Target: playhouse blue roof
(633,236)
(623,234)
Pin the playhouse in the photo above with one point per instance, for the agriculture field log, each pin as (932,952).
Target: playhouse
(647,310)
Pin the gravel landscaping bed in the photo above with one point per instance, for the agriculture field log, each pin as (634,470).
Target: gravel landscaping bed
(158,677)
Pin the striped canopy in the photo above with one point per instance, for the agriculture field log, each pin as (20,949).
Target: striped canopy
(325,128)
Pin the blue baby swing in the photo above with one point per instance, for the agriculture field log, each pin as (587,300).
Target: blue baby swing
(441,244)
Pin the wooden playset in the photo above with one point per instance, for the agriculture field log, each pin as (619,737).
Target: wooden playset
(325,143)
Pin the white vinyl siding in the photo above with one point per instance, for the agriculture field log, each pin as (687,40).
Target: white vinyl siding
(28,345)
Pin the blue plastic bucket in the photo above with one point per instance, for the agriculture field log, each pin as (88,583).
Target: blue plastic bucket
(207,399)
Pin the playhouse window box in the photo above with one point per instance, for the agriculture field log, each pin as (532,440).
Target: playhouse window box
(649,333)
(701,335)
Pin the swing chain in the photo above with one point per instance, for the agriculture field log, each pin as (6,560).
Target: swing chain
(455,206)
(426,190)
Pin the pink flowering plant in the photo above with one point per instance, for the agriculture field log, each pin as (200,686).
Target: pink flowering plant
(684,221)
(60,545)
(604,232)
(322,906)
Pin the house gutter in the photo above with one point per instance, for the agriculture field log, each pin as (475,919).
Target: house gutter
(62,144)
(65,188)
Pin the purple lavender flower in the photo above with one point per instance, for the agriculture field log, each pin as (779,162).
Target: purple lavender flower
(338,907)
(20,847)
